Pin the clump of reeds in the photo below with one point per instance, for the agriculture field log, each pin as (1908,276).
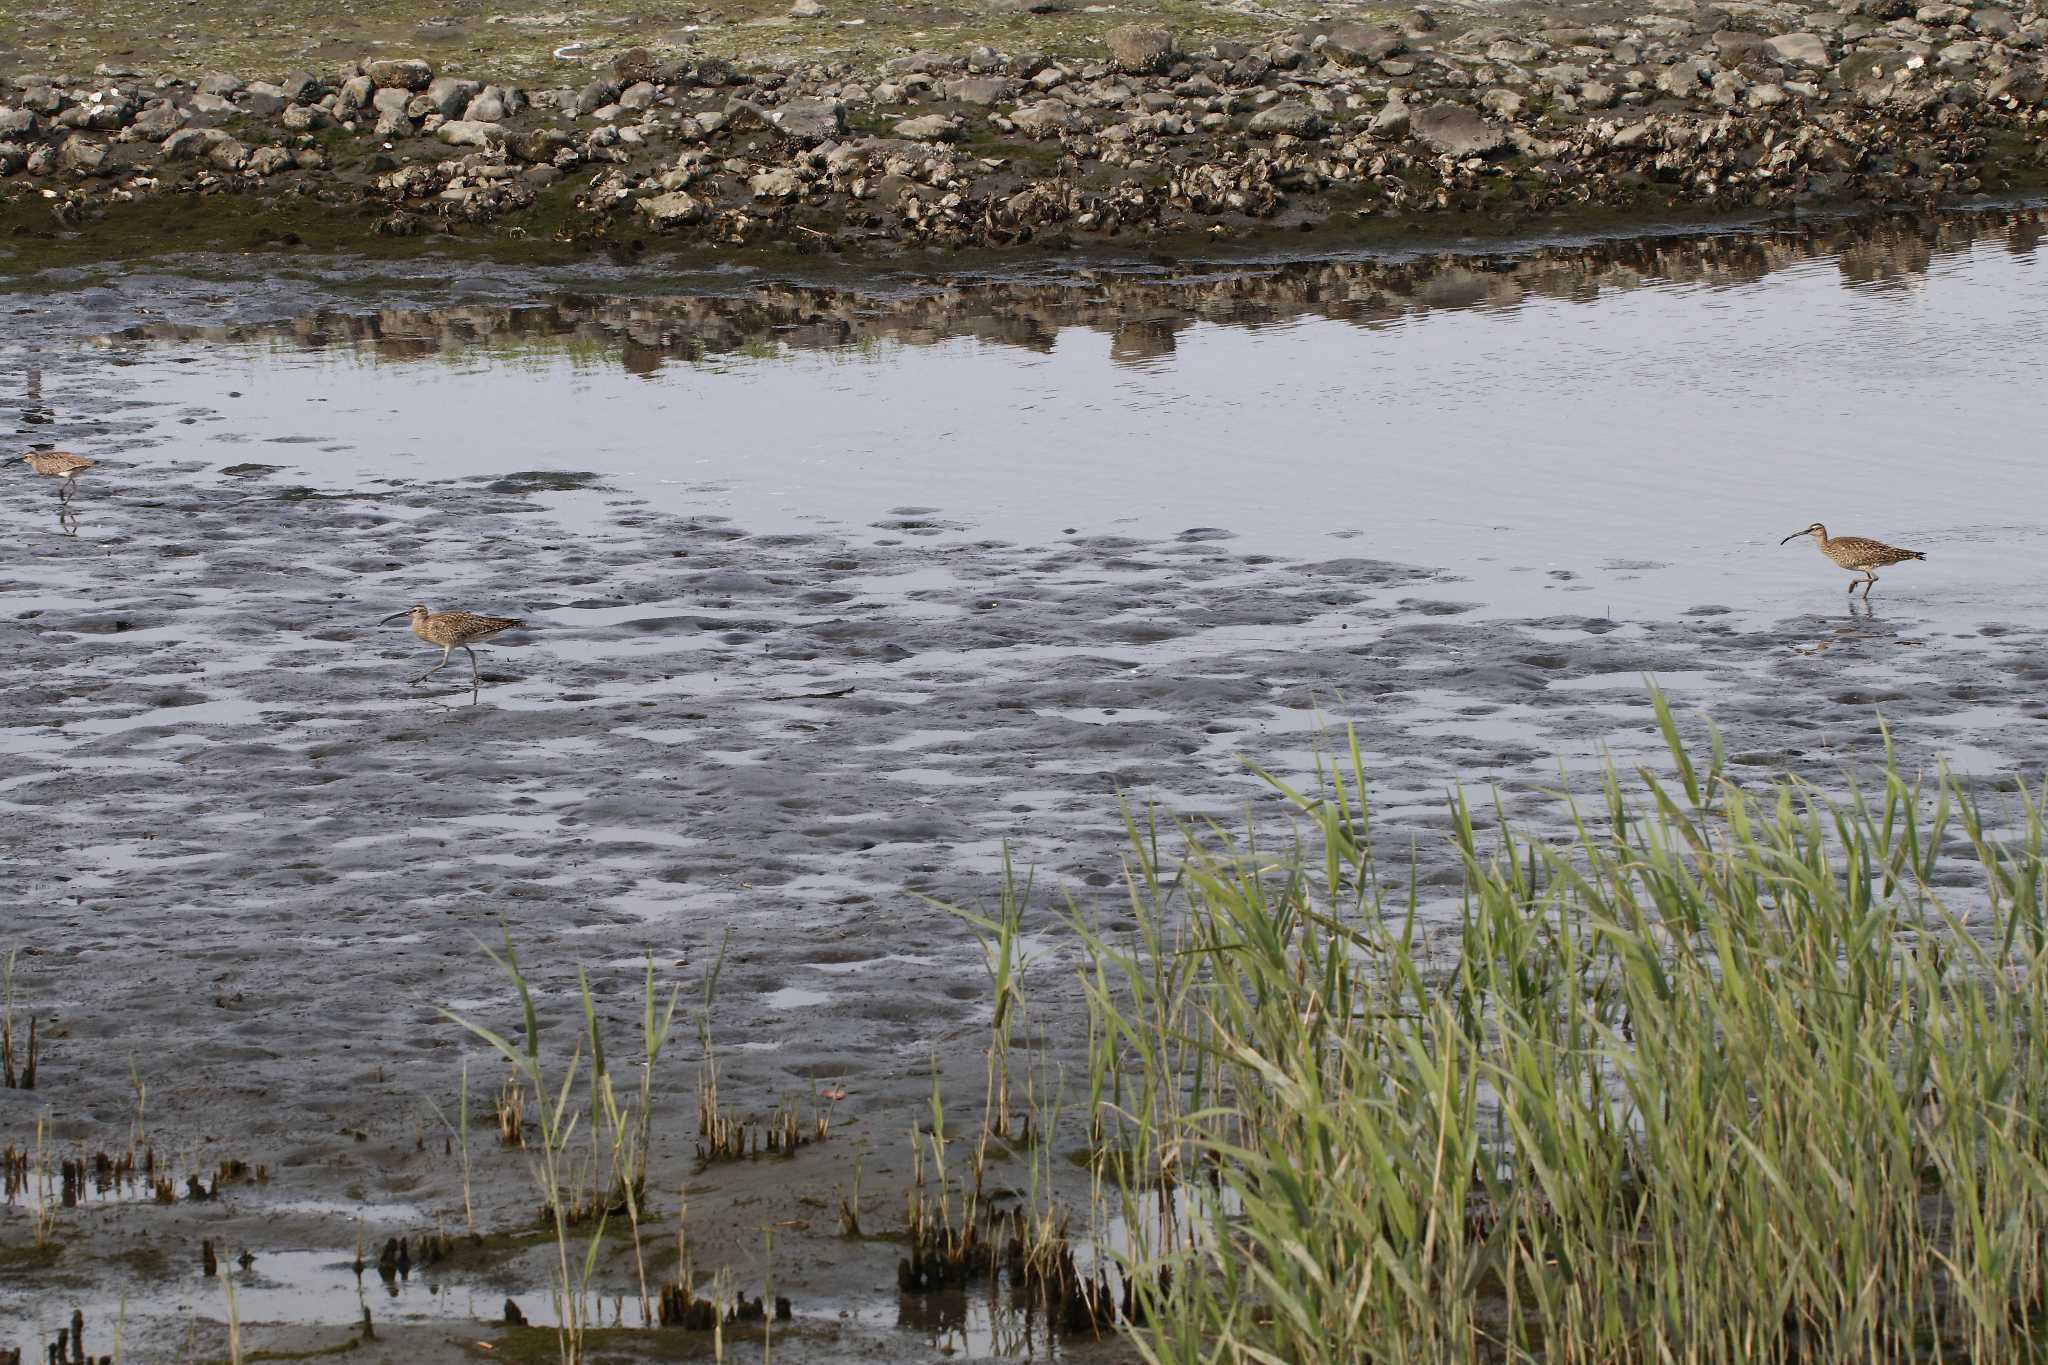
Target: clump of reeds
(551,1167)
(609,1176)
(510,1111)
(457,1135)
(1722,1077)
(849,1205)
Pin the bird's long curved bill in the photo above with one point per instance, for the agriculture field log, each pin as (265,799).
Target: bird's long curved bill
(394,616)
(1786,541)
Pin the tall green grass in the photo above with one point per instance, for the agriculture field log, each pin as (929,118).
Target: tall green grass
(611,1173)
(1719,1077)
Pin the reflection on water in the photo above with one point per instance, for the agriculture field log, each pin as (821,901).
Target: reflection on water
(1142,312)
(289,1288)
(1604,429)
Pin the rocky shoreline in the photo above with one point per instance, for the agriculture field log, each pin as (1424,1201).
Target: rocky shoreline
(1729,107)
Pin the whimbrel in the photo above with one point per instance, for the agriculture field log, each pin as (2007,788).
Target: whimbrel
(1855,553)
(453,630)
(60,465)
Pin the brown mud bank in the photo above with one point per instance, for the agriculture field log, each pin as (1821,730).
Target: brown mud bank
(1564,118)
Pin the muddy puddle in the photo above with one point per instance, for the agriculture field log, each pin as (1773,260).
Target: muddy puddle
(835,592)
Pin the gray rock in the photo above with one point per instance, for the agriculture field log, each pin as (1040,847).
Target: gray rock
(1287,117)
(82,155)
(207,106)
(806,9)
(981,90)
(1995,23)
(264,101)
(1392,120)
(391,101)
(1597,95)
(462,132)
(930,128)
(2026,83)
(487,107)
(399,73)
(157,122)
(355,93)
(1682,79)
(104,111)
(16,122)
(810,121)
(1735,47)
(1642,133)
(1941,15)
(228,154)
(190,143)
(780,183)
(300,86)
(1517,51)
(1351,43)
(269,161)
(1799,49)
(638,97)
(1045,119)
(1457,131)
(42,99)
(1502,102)
(218,83)
(13,156)
(670,210)
(1766,96)
(306,118)
(450,95)
(1139,49)
(594,97)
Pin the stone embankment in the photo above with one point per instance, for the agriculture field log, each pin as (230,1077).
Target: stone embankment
(1720,108)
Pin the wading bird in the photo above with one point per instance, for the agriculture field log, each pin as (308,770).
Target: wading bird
(1855,553)
(60,465)
(453,630)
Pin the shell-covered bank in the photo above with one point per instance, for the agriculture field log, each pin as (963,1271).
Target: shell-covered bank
(877,130)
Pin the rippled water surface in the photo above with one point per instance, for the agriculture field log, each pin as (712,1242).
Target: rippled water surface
(835,591)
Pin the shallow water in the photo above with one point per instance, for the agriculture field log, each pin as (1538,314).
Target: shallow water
(837,590)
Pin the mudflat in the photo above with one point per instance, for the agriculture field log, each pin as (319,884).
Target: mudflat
(761,722)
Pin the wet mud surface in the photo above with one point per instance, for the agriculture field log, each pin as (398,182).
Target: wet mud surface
(246,854)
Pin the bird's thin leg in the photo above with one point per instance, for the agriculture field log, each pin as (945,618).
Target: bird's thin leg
(476,678)
(1853,582)
(1868,581)
(445,653)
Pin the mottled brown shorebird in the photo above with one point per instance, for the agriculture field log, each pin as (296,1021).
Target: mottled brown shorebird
(60,465)
(1855,553)
(453,630)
